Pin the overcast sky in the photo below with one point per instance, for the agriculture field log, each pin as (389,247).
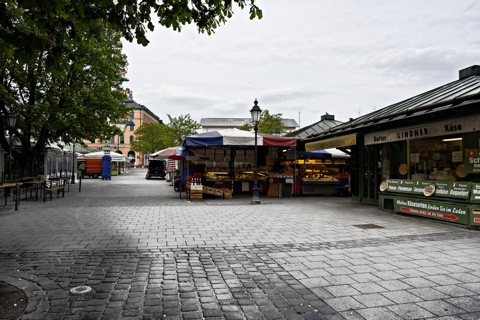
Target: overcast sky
(306,58)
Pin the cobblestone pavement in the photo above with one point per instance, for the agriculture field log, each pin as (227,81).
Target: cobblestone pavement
(147,254)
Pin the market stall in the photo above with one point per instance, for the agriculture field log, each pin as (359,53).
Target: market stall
(120,163)
(324,172)
(225,158)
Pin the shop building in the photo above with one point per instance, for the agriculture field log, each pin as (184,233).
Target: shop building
(419,156)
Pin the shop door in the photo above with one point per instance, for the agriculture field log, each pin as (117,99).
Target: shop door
(373,173)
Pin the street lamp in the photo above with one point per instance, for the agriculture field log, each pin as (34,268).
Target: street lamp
(11,121)
(255,112)
(73,163)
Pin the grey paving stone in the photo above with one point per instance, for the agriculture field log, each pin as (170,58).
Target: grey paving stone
(410,311)
(342,290)
(153,255)
(378,314)
(440,308)
(344,303)
(371,300)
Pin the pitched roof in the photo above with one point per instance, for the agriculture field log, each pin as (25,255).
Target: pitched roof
(327,122)
(462,93)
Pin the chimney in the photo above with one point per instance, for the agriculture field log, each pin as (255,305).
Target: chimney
(470,71)
(327,116)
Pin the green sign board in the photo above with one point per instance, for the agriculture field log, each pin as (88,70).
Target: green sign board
(445,189)
(407,186)
(451,189)
(472,163)
(475,194)
(450,212)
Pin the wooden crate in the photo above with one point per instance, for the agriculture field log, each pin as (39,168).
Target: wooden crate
(196,196)
(219,193)
(227,193)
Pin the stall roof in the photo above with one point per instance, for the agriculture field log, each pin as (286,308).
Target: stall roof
(325,154)
(462,93)
(327,121)
(99,154)
(236,137)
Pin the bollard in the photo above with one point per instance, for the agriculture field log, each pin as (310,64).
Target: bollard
(80,184)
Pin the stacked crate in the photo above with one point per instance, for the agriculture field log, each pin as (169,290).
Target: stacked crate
(213,191)
(196,192)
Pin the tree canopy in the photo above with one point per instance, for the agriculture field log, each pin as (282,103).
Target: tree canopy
(60,63)
(153,137)
(79,102)
(182,126)
(68,21)
(269,123)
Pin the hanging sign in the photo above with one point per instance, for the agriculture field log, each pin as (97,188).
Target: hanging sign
(472,160)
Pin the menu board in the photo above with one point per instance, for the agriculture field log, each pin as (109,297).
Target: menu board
(406,186)
(447,189)
(475,194)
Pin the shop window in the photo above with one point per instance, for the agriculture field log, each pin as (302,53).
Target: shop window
(435,158)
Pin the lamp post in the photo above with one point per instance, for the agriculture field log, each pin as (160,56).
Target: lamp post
(73,163)
(255,112)
(11,121)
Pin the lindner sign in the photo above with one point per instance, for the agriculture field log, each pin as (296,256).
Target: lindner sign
(434,129)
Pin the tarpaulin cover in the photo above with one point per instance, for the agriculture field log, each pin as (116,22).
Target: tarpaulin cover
(236,137)
(325,154)
(99,154)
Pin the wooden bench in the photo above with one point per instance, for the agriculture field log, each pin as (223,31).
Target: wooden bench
(52,186)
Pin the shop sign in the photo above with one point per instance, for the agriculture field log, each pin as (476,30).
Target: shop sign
(475,195)
(406,186)
(472,163)
(449,189)
(438,210)
(446,189)
(434,129)
(337,142)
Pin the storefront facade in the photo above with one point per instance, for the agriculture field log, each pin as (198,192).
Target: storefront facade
(428,142)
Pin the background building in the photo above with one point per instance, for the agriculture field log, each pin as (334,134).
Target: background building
(213,124)
(121,143)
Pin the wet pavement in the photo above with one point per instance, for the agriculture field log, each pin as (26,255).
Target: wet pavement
(144,253)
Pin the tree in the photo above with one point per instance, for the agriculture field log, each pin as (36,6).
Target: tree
(182,126)
(269,123)
(151,137)
(55,73)
(78,102)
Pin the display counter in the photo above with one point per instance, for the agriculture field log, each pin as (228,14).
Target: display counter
(317,186)
(323,177)
(457,202)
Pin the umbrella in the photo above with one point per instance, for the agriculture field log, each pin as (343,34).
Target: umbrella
(165,153)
